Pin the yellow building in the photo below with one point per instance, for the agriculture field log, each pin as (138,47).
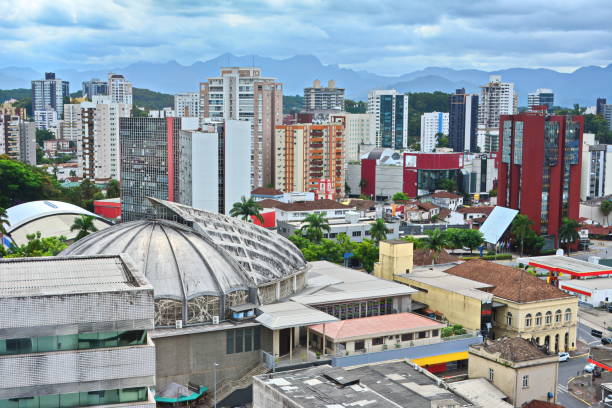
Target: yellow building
(394,257)
(521,370)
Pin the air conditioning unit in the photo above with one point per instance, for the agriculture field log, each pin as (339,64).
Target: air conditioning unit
(215,319)
(178,324)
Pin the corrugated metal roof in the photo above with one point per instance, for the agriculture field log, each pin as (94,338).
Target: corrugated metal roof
(291,314)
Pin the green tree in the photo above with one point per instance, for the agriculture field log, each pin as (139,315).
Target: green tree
(449,185)
(299,240)
(400,196)
(20,183)
(493,193)
(151,99)
(568,232)
(4,223)
(138,113)
(42,135)
(416,242)
(247,208)
(605,207)
(441,140)
(454,238)
(435,243)
(521,225)
(351,106)
(84,225)
(378,231)
(293,104)
(472,238)
(533,242)
(38,246)
(113,189)
(366,252)
(314,225)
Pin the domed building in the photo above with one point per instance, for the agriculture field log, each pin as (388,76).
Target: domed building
(202,264)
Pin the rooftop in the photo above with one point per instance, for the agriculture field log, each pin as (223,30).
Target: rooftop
(64,275)
(565,264)
(602,355)
(269,203)
(440,279)
(476,210)
(266,191)
(361,205)
(323,204)
(283,315)
(508,283)
(593,283)
(482,392)
(445,194)
(422,257)
(515,349)
(376,326)
(386,385)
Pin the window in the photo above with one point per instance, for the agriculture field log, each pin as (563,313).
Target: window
(548,318)
(434,333)
(509,319)
(491,374)
(528,320)
(239,340)
(79,399)
(229,338)
(525,381)
(356,233)
(407,336)
(558,316)
(538,319)
(359,345)
(423,334)
(377,341)
(568,315)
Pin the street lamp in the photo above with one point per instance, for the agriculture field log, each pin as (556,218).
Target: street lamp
(215,374)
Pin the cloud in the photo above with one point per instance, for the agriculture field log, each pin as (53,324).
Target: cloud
(384,36)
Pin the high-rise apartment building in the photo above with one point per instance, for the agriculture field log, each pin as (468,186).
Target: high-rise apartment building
(119,89)
(540,168)
(390,110)
(308,154)
(221,165)
(46,119)
(358,131)
(540,97)
(606,112)
(94,87)
(600,106)
(7,108)
(187,104)
(242,93)
(318,98)
(462,121)
(48,94)
(18,139)
(496,98)
(432,124)
(155,162)
(596,171)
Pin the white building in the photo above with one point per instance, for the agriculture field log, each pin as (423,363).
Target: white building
(596,178)
(596,292)
(187,104)
(432,123)
(71,125)
(221,160)
(48,95)
(358,130)
(74,332)
(45,119)
(163,113)
(317,98)
(541,96)
(390,111)
(496,98)
(17,139)
(119,89)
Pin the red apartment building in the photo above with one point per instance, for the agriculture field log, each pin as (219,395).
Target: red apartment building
(539,167)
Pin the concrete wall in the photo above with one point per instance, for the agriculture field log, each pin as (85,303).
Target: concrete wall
(191,357)
(594,213)
(457,308)
(389,180)
(393,259)
(353,177)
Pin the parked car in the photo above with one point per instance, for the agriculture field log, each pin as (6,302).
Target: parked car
(606,340)
(596,333)
(608,400)
(564,356)
(589,368)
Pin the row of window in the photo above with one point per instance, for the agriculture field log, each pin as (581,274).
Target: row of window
(243,340)
(377,341)
(78,399)
(80,341)
(525,379)
(538,318)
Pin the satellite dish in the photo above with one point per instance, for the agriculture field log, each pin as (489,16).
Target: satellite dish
(559,252)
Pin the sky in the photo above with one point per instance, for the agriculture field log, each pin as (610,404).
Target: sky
(385,37)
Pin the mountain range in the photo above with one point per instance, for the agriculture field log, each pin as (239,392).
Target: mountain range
(582,86)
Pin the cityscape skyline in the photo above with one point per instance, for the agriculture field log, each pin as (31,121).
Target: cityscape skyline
(382,38)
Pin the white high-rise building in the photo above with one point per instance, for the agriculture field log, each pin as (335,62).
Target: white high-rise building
(71,125)
(358,130)
(17,139)
(119,89)
(541,96)
(242,93)
(45,119)
(48,96)
(496,98)
(187,104)
(432,123)
(390,110)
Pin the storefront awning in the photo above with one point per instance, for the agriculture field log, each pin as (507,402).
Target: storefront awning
(442,358)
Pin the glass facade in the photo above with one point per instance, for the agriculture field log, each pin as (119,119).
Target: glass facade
(399,121)
(386,121)
(507,141)
(517,154)
(242,340)
(80,341)
(429,179)
(78,399)
(354,310)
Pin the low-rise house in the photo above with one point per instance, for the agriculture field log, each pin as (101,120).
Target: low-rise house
(444,199)
(376,333)
(474,213)
(518,367)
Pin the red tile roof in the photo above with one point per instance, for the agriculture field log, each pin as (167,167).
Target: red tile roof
(267,191)
(475,210)
(541,404)
(375,326)
(427,206)
(323,204)
(269,203)
(509,283)
(444,213)
(445,194)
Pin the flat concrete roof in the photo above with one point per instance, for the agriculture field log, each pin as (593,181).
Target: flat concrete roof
(482,392)
(66,275)
(565,264)
(593,284)
(440,279)
(283,315)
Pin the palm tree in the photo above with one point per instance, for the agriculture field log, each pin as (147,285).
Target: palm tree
(247,208)
(379,230)
(4,222)
(568,232)
(314,225)
(520,228)
(605,207)
(435,242)
(84,224)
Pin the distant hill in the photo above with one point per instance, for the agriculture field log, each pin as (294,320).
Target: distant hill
(582,86)
(19,93)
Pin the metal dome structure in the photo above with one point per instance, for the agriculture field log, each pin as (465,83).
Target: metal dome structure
(201,264)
